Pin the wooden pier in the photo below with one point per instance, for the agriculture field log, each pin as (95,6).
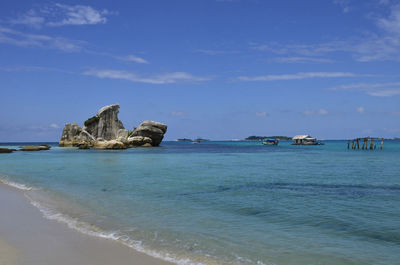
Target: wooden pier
(368,143)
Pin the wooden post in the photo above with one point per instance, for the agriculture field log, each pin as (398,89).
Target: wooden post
(348,144)
(372,144)
(381,143)
(363,146)
(358,143)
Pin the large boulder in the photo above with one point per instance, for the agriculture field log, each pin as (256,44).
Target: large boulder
(112,144)
(105,124)
(73,135)
(151,129)
(139,141)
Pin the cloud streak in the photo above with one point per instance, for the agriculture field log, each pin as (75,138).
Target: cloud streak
(298,76)
(315,112)
(168,78)
(215,52)
(383,45)
(262,114)
(56,15)
(300,59)
(372,89)
(22,39)
(360,109)
(132,58)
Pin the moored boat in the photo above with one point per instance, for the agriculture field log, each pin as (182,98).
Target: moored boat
(270,142)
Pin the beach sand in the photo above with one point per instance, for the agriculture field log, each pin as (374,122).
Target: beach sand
(8,254)
(27,238)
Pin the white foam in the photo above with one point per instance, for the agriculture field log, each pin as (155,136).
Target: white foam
(15,185)
(92,230)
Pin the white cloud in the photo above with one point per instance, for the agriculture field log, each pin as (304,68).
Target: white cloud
(384,2)
(360,109)
(384,93)
(22,39)
(372,48)
(262,114)
(298,76)
(54,126)
(132,58)
(168,78)
(35,40)
(215,52)
(177,113)
(79,15)
(302,49)
(392,23)
(315,112)
(33,69)
(31,18)
(61,15)
(383,45)
(344,4)
(300,59)
(373,89)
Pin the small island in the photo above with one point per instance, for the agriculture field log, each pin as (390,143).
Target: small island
(106,131)
(261,138)
(184,140)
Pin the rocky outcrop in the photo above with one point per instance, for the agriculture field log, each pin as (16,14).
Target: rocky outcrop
(151,129)
(139,141)
(6,150)
(106,131)
(112,144)
(35,147)
(105,124)
(73,135)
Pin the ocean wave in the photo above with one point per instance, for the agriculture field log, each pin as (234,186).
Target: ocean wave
(15,185)
(95,231)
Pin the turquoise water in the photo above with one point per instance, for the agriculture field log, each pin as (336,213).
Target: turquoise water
(225,202)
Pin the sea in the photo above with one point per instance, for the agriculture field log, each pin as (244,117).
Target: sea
(224,202)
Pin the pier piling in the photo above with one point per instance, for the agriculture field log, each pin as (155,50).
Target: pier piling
(368,143)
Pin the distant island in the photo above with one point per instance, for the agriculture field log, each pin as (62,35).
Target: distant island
(261,138)
(184,140)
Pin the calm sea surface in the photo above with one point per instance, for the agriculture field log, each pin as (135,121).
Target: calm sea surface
(225,202)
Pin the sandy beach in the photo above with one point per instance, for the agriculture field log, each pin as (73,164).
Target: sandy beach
(27,238)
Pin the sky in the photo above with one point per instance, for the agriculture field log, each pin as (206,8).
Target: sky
(217,69)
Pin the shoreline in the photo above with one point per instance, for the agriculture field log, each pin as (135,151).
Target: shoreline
(28,238)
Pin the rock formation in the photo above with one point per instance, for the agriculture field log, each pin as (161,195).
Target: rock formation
(105,124)
(151,129)
(35,147)
(73,135)
(6,150)
(106,131)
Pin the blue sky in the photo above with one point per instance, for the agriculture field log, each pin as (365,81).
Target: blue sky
(219,69)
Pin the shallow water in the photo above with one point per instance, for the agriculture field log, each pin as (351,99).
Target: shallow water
(225,202)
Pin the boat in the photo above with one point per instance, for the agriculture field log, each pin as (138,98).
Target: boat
(306,140)
(270,142)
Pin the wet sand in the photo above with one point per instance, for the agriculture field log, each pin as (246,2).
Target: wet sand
(27,238)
